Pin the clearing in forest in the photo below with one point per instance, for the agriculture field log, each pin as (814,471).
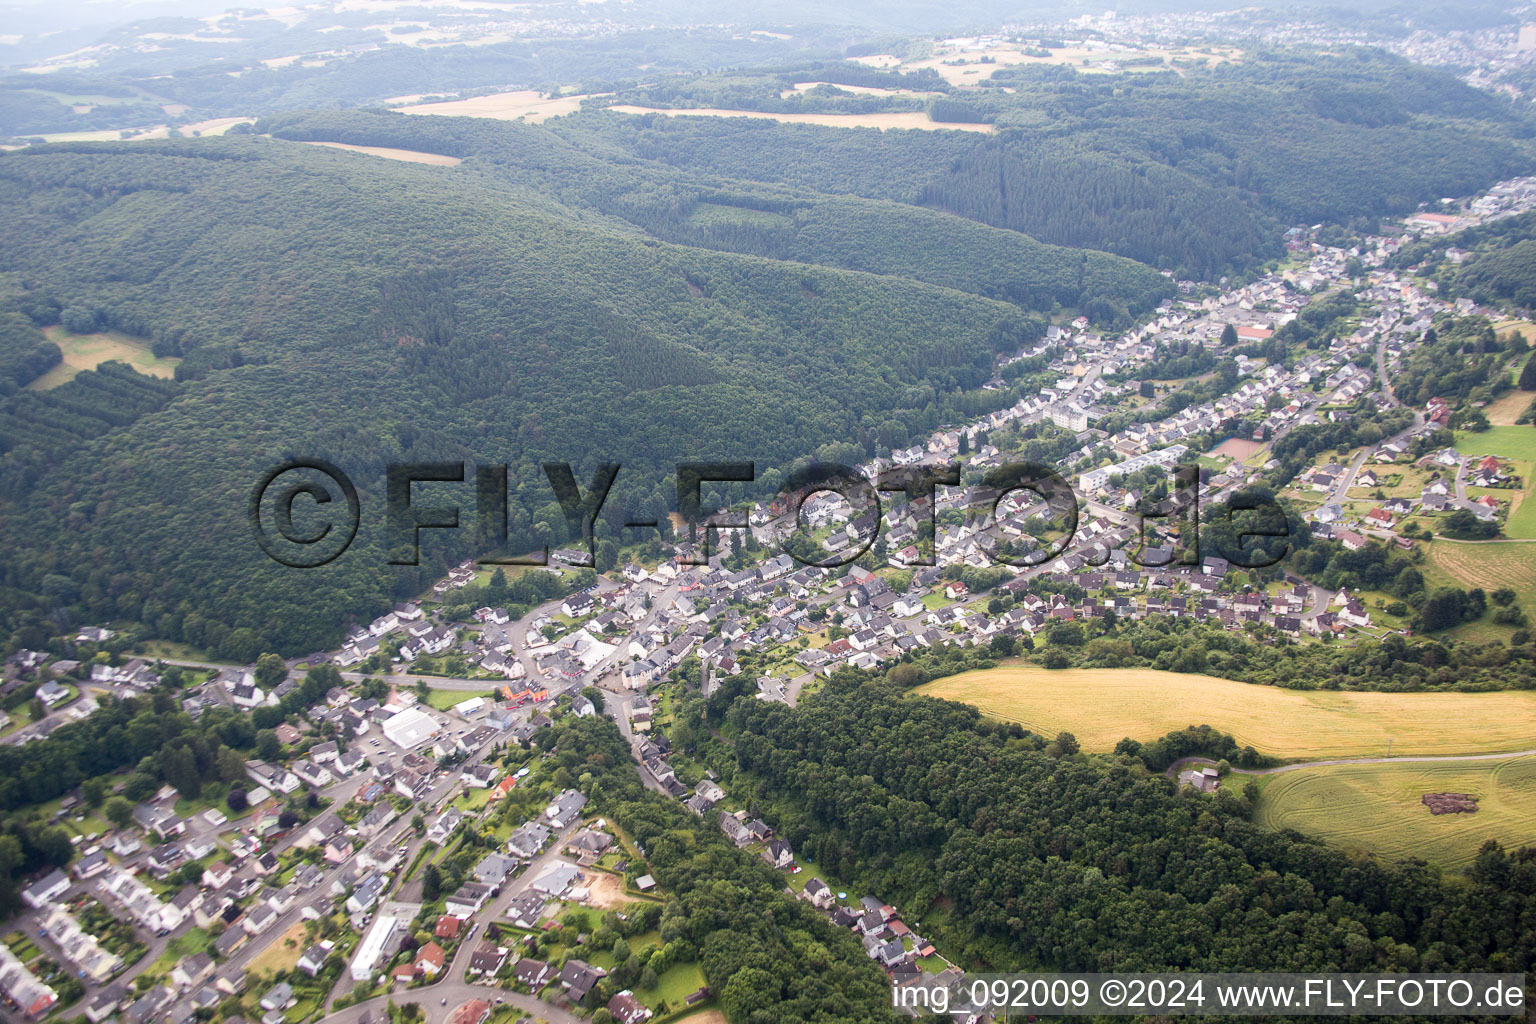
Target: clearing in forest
(88,351)
(1503,411)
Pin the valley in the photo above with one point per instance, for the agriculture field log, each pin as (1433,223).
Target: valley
(683,515)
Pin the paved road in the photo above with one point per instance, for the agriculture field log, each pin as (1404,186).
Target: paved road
(1340,492)
(1381,375)
(1317,599)
(441,999)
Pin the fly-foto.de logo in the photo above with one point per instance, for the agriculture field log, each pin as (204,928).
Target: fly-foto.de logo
(305,513)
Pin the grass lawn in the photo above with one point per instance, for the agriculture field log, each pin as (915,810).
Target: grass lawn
(676,984)
(1512,442)
(1400,482)
(444,700)
(935,600)
(302,1009)
(24,948)
(1372,598)
(1377,808)
(153,649)
(88,351)
(473,798)
(1100,706)
(193,942)
(190,808)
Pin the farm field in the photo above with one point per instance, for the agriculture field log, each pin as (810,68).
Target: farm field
(900,119)
(213,126)
(1507,327)
(88,351)
(1504,411)
(1489,566)
(858,90)
(408,155)
(962,65)
(1377,808)
(1101,706)
(518,105)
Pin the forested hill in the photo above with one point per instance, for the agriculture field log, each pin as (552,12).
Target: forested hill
(1027,856)
(361,310)
(609,287)
(1193,172)
(741,212)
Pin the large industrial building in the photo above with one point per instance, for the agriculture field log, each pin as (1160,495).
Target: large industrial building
(410,728)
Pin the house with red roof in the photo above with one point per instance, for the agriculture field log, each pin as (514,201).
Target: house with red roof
(473,1012)
(430,959)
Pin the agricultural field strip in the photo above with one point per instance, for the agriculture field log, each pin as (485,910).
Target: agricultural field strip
(1101,706)
(1379,808)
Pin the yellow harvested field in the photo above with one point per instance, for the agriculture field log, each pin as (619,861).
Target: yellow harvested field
(1505,328)
(520,105)
(408,155)
(902,119)
(88,351)
(1504,411)
(1101,706)
(213,126)
(216,125)
(1379,808)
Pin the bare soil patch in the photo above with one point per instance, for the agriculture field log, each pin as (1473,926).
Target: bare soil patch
(1236,448)
(606,892)
(1450,803)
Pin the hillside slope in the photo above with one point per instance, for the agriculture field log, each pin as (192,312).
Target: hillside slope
(362,310)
